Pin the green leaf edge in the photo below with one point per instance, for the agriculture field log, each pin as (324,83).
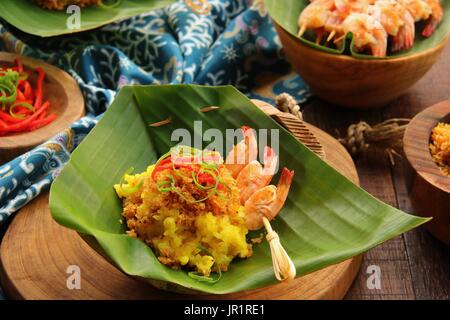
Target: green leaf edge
(5,13)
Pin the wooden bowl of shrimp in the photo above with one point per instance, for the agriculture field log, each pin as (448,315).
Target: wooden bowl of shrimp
(359,60)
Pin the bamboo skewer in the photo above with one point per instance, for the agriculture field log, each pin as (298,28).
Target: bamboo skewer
(319,38)
(339,39)
(161,123)
(283,267)
(331,35)
(302,30)
(169,120)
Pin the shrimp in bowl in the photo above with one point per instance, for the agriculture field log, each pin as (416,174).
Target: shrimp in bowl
(375,24)
(368,33)
(397,21)
(195,210)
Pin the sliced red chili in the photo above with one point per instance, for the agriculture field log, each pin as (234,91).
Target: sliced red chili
(39,84)
(162,165)
(23,108)
(206,179)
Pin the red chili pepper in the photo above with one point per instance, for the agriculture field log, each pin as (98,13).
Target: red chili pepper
(28,92)
(40,81)
(28,118)
(25,87)
(162,165)
(42,122)
(167,164)
(25,124)
(20,96)
(22,110)
(2,124)
(7,118)
(206,179)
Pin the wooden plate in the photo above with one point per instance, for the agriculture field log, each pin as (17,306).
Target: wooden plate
(36,252)
(66,101)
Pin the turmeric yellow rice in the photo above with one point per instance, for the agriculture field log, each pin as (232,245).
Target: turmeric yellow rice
(190,220)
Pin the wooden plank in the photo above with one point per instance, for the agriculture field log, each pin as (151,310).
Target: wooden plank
(395,281)
(430,265)
(375,178)
(429,259)
(394,249)
(385,297)
(416,254)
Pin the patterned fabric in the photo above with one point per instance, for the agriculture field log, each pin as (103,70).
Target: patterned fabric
(235,43)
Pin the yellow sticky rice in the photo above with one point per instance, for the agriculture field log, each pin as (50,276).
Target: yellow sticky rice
(440,146)
(204,236)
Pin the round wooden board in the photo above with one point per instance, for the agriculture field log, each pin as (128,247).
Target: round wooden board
(36,252)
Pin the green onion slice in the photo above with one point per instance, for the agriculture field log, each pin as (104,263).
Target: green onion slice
(108,4)
(132,190)
(20,104)
(199,277)
(127,189)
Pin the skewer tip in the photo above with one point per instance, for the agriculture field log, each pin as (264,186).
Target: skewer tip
(283,266)
(160,123)
(331,35)
(302,30)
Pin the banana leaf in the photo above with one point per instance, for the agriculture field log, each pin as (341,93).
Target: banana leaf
(326,219)
(32,19)
(286,12)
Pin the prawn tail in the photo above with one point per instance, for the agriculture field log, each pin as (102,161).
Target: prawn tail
(430,27)
(284,184)
(270,162)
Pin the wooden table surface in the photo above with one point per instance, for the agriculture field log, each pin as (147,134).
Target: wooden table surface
(414,265)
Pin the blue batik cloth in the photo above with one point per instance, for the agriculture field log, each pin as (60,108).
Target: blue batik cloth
(235,43)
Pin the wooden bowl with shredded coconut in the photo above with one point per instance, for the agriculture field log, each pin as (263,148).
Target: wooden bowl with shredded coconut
(427,149)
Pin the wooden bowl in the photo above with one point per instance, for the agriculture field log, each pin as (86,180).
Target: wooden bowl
(356,83)
(66,101)
(428,186)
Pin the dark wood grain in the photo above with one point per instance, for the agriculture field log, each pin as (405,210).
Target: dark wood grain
(429,258)
(414,265)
